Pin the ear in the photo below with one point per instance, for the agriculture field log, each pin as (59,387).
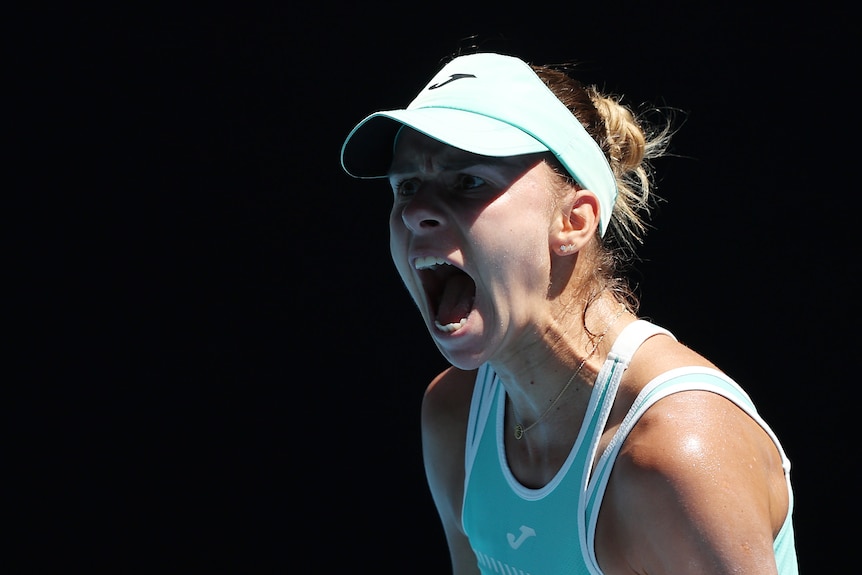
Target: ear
(576,225)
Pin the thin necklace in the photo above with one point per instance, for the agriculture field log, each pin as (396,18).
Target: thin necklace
(520,430)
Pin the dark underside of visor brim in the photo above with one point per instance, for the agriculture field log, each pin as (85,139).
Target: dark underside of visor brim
(368,152)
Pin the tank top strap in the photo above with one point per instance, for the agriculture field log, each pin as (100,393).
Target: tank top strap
(608,380)
(606,387)
(631,338)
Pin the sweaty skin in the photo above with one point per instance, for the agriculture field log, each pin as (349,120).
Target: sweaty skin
(698,486)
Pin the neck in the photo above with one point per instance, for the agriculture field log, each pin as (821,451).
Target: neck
(561,369)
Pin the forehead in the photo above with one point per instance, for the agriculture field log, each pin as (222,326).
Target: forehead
(415,151)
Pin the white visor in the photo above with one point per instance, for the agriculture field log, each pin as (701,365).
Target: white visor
(492,105)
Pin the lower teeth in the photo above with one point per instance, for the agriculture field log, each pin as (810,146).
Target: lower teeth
(450,327)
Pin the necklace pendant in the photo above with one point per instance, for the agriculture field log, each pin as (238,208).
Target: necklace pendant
(519,431)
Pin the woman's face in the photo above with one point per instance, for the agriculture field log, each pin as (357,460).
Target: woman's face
(469,236)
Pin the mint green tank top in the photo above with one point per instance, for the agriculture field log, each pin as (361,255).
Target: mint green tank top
(551,530)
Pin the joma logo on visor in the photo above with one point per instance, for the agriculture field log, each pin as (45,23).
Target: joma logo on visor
(452,78)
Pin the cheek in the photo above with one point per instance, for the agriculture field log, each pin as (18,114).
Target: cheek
(522,250)
(521,226)
(397,233)
(398,245)
(534,262)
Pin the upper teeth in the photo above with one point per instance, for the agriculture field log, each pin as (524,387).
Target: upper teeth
(425,262)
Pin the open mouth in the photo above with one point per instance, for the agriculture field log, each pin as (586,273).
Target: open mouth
(450,291)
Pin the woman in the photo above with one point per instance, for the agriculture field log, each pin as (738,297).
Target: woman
(568,435)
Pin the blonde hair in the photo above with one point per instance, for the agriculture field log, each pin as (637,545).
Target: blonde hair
(630,142)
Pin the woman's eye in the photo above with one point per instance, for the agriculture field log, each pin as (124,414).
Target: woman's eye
(463,182)
(407,187)
(468,182)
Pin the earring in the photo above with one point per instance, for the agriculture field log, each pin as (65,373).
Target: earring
(568,248)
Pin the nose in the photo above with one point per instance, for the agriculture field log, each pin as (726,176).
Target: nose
(423,212)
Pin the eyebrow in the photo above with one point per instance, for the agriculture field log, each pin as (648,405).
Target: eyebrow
(449,165)
(464,160)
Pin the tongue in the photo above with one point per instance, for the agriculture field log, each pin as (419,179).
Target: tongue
(457,300)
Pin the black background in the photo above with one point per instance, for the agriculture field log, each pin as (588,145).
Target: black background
(221,370)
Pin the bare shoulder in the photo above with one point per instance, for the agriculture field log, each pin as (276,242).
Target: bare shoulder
(697,470)
(695,435)
(447,398)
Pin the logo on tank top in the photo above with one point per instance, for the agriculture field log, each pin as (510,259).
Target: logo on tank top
(526,532)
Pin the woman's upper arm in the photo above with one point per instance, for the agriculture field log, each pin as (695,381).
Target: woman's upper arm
(697,487)
(445,409)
